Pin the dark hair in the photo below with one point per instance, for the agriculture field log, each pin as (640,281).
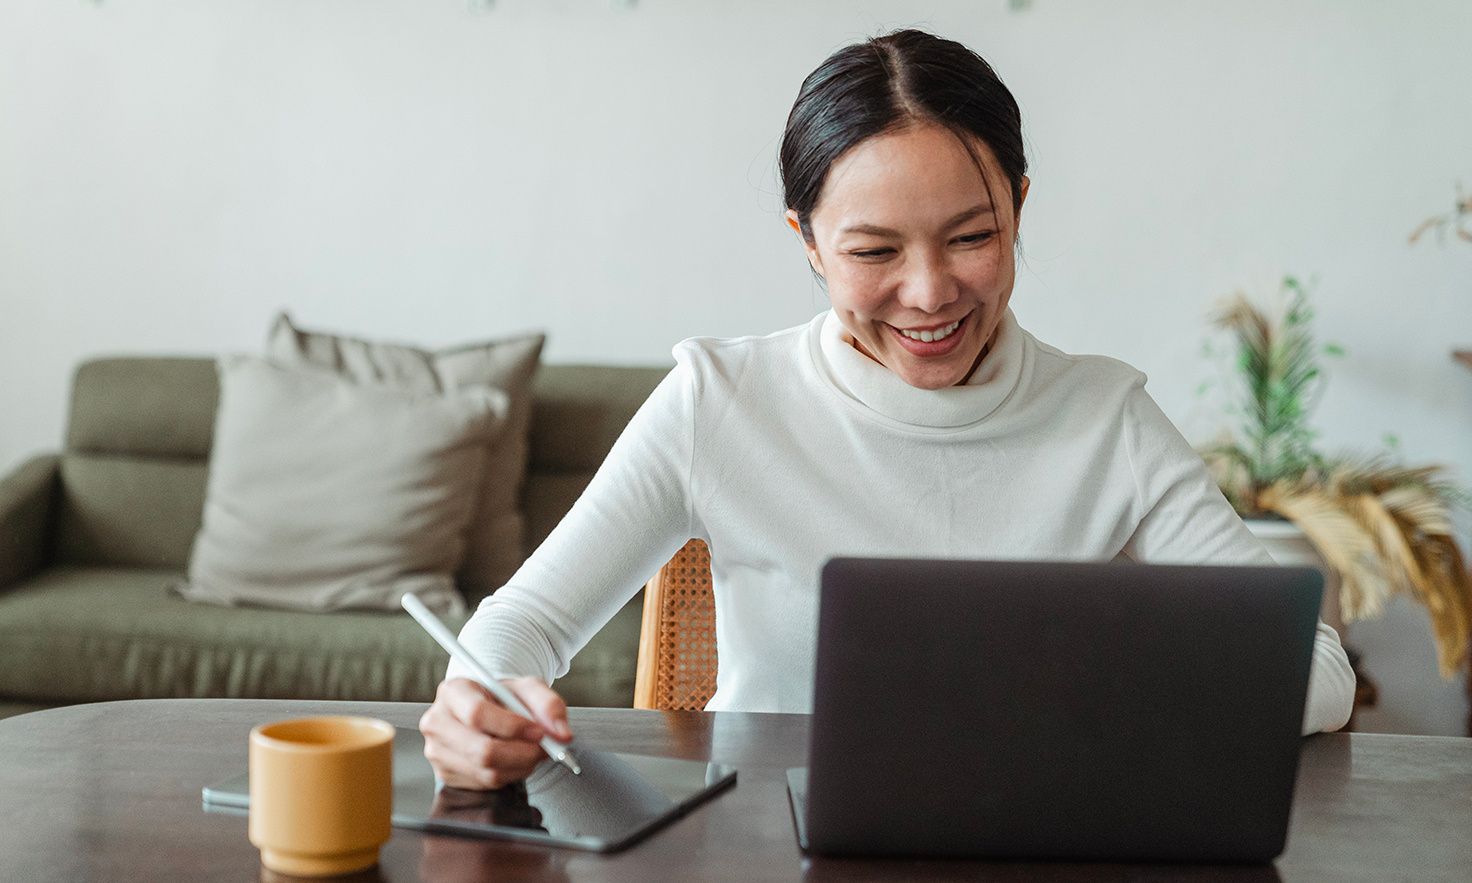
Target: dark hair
(885,84)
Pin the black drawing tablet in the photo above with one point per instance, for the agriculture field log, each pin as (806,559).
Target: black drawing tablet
(618,800)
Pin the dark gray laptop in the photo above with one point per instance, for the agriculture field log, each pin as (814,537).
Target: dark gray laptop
(1056,711)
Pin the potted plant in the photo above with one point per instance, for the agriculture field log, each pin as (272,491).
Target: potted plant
(1382,528)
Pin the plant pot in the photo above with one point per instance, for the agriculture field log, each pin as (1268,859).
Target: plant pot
(1291,547)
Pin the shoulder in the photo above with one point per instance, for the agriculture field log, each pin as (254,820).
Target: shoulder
(1108,392)
(754,358)
(1057,374)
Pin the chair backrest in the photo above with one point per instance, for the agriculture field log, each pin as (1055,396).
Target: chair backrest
(677,644)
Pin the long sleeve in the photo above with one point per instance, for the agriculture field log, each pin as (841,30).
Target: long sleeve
(1187,520)
(633,516)
(782,451)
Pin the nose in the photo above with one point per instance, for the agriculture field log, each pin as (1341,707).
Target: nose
(929,285)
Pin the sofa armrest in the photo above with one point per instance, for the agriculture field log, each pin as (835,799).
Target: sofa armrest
(27,501)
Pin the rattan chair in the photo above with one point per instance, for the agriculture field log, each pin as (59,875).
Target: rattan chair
(677,643)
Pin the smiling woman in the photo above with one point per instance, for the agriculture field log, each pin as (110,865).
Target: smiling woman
(916,255)
(903,172)
(913,419)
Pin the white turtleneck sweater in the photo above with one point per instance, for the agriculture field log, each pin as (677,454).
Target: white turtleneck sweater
(785,450)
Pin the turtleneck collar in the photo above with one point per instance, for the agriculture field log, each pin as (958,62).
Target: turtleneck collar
(875,388)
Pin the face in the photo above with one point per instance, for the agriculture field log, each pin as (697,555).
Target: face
(919,267)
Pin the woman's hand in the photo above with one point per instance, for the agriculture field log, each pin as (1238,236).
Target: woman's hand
(473,741)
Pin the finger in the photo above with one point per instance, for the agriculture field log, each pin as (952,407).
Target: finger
(450,766)
(546,706)
(466,746)
(468,758)
(500,778)
(466,721)
(458,747)
(473,779)
(473,705)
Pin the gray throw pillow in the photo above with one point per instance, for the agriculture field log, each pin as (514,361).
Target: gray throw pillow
(493,538)
(325,494)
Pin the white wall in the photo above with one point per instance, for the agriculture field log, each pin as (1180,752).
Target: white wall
(173,172)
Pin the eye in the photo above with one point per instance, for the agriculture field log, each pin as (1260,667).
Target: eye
(975,238)
(872,253)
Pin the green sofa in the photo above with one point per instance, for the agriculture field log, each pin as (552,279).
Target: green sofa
(91,539)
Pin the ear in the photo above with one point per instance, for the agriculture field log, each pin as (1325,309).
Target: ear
(814,260)
(1021,198)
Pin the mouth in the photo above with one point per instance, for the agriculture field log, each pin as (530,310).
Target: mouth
(930,336)
(931,342)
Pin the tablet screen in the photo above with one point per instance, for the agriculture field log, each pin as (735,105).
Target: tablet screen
(618,799)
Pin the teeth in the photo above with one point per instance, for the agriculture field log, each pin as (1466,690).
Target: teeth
(931,336)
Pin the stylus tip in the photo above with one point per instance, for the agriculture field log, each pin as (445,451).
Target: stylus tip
(568,761)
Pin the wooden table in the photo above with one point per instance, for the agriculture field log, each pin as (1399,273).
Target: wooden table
(112,792)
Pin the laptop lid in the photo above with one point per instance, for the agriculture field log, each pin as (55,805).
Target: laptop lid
(1057,710)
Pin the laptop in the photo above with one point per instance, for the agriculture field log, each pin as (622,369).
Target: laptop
(1056,711)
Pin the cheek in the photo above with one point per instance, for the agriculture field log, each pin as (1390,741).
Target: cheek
(859,288)
(988,268)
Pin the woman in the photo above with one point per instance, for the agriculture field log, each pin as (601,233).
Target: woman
(915,418)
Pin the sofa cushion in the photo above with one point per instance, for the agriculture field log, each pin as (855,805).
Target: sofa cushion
(79,634)
(325,494)
(27,501)
(493,548)
(132,511)
(577,411)
(133,471)
(580,410)
(148,406)
(549,496)
(92,634)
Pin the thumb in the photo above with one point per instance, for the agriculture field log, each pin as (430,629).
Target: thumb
(546,707)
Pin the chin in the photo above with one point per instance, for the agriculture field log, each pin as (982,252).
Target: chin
(936,373)
(931,378)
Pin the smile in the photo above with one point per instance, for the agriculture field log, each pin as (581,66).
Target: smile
(931,336)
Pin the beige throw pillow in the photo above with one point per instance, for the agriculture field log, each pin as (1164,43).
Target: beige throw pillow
(325,494)
(494,536)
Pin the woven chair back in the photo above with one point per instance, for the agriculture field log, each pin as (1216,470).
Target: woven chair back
(677,644)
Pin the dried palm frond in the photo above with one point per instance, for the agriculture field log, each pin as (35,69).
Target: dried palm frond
(1454,222)
(1340,538)
(1386,530)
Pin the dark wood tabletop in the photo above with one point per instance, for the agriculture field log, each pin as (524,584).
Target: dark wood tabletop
(111,792)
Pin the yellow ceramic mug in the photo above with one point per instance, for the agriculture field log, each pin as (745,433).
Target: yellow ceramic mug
(321,793)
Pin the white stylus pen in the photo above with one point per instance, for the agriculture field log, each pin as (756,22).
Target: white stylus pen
(555,750)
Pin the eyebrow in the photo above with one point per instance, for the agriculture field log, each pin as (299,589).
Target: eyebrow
(955,220)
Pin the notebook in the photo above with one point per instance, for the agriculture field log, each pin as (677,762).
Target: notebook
(1056,711)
